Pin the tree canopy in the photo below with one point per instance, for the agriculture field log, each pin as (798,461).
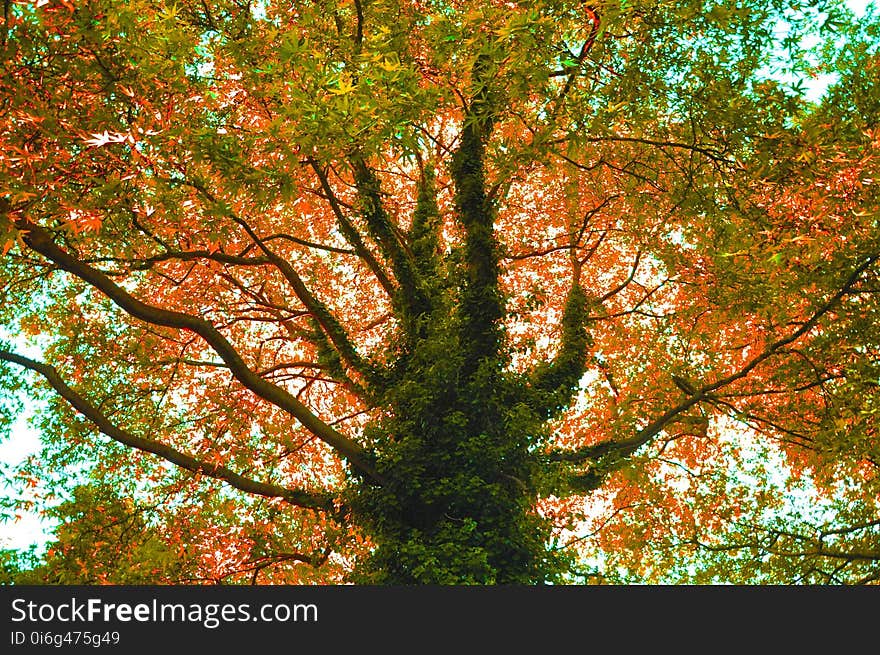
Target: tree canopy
(445,292)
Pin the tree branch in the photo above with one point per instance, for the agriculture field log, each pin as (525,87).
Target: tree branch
(558,380)
(350,232)
(40,240)
(103,423)
(383,232)
(481,302)
(624,448)
(321,313)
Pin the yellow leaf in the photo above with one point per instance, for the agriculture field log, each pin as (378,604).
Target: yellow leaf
(345,87)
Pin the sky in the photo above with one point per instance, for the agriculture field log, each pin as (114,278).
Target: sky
(24,440)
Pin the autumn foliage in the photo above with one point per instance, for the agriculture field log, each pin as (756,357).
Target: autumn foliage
(445,292)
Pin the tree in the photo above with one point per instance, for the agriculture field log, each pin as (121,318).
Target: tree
(102,539)
(432,292)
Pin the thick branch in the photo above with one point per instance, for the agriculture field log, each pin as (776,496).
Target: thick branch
(350,232)
(309,244)
(248,485)
(321,313)
(481,302)
(423,234)
(558,380)
(185,256)
(41,241)
(383,232)
(328,322)
(624,448)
